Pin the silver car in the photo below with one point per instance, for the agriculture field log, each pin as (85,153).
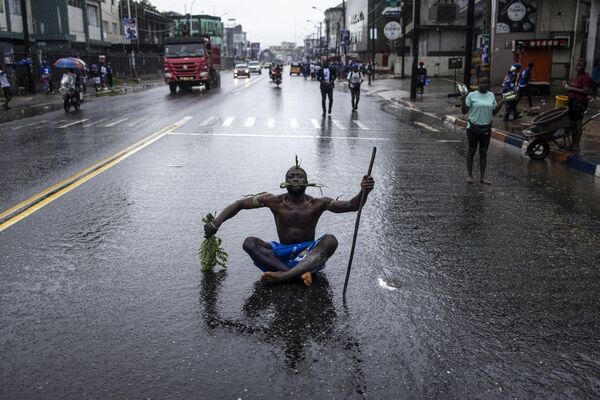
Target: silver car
(255,67)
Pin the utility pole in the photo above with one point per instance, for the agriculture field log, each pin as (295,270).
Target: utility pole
(403,23)
(30,85)
(469,43)
(415,47)
(344,23)
(133,68)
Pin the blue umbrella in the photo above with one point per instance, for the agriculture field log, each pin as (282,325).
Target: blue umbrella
(70,62)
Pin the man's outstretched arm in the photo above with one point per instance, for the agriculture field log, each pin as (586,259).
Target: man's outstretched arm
(337,206)
(231,210)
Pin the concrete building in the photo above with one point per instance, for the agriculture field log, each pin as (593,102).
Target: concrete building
(334,22)
(550,33)
(111,22)
(592,50)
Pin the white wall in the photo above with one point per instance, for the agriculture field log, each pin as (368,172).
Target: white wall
(76,23)
(3,25)
(436,66)
(16,23)
(94,32)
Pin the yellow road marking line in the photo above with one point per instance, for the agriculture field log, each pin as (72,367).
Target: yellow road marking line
(38,201)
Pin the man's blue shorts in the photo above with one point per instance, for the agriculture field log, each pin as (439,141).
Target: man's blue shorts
(292,254)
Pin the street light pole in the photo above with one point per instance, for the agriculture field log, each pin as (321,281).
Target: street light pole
(469,42)
(415,47)
(133,69)
(26,42)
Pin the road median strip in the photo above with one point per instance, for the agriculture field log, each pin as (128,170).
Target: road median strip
(36,202)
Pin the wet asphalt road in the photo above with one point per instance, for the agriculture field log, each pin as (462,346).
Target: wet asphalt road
(457,291)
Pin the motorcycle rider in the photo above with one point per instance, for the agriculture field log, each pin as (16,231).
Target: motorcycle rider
(277,72)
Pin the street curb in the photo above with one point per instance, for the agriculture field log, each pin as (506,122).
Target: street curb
(38,109)
(573,161)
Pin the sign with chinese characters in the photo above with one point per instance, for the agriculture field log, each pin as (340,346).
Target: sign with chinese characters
(130,28)
(516,16)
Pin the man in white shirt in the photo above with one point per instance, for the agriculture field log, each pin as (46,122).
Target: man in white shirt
(5,88)
(355,78)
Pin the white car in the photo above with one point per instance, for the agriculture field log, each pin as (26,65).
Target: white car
(241,70)
(255,67)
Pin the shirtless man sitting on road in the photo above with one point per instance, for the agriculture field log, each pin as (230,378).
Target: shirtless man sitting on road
(296,217)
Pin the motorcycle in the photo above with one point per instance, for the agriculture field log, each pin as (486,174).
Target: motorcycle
(71,87)
(276,77)
(71,95)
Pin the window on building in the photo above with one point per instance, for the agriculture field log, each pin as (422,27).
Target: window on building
(114,26)
(92,13)
(105,27)
(14,7)
(75,3)
(1,7)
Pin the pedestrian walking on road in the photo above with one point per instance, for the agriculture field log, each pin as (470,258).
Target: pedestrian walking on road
(578,89)
(5,85)
(297,254)
(421,78)
(355,79)
(524,85)
(481,106)
(369,71)
(326,76)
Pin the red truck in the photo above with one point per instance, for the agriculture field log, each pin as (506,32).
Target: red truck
(192,61)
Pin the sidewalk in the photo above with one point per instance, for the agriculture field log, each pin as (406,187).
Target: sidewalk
(436,104)
(28,105)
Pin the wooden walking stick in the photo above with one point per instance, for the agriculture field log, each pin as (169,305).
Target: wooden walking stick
(360,206)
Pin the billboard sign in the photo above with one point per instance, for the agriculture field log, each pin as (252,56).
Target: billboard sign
(345,37)
(130,28)
(516,16)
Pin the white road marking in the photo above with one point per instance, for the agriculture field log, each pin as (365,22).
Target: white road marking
(424,125)
(135,122)
(448,141)
(315,123)
(271,122)
(228,121)
(250,121)
(280,136)
(95,122)
(360,124)
(116,122)
(338,124)
(248,84)
(28,125)
(81,121)
(206,121)
(294,123)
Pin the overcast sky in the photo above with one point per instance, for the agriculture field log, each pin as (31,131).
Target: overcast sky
(266,21)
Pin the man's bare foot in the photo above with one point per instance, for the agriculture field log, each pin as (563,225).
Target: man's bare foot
(307,278)
(271,278)
(469,179)
(485,182)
